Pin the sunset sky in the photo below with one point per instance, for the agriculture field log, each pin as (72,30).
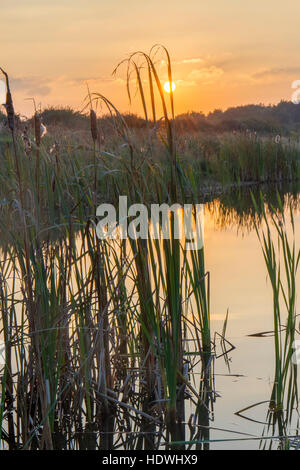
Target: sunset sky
(224,52)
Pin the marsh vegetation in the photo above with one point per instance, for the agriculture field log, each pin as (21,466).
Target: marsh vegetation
(109,343)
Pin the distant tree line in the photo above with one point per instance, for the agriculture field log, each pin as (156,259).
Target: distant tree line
(283,117)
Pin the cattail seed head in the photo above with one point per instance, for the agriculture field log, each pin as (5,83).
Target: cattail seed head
(94,127)
(10,111)
(9,104)
(37,129)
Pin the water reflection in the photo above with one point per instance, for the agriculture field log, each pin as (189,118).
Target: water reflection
(234,208)
(240,283)
(127,408)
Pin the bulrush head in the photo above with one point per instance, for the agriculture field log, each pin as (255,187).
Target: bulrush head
(37,128)
(94,127)
(9,104)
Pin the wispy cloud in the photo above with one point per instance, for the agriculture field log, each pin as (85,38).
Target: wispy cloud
(95,79)
(195,60)
(206,75)
(276,72)
(42,87)
(33,86)
(186,83)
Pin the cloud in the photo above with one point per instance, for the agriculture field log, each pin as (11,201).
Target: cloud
(186,83)
(276,72)
(34,86)
(94,78)
(196,60)
(206,75)
(28,86)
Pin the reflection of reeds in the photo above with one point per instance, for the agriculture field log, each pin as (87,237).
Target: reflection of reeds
(104,332)
(234,208)
(282,265)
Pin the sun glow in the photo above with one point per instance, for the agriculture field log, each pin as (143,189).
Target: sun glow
(167,87)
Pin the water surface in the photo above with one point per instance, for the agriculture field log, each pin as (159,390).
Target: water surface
(240,284)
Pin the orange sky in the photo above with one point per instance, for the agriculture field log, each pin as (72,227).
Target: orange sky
(224,52)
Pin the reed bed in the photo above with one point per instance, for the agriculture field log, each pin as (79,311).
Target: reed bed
(94,330)
(101,337)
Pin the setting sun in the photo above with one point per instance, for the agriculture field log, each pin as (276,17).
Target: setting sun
(167,87)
